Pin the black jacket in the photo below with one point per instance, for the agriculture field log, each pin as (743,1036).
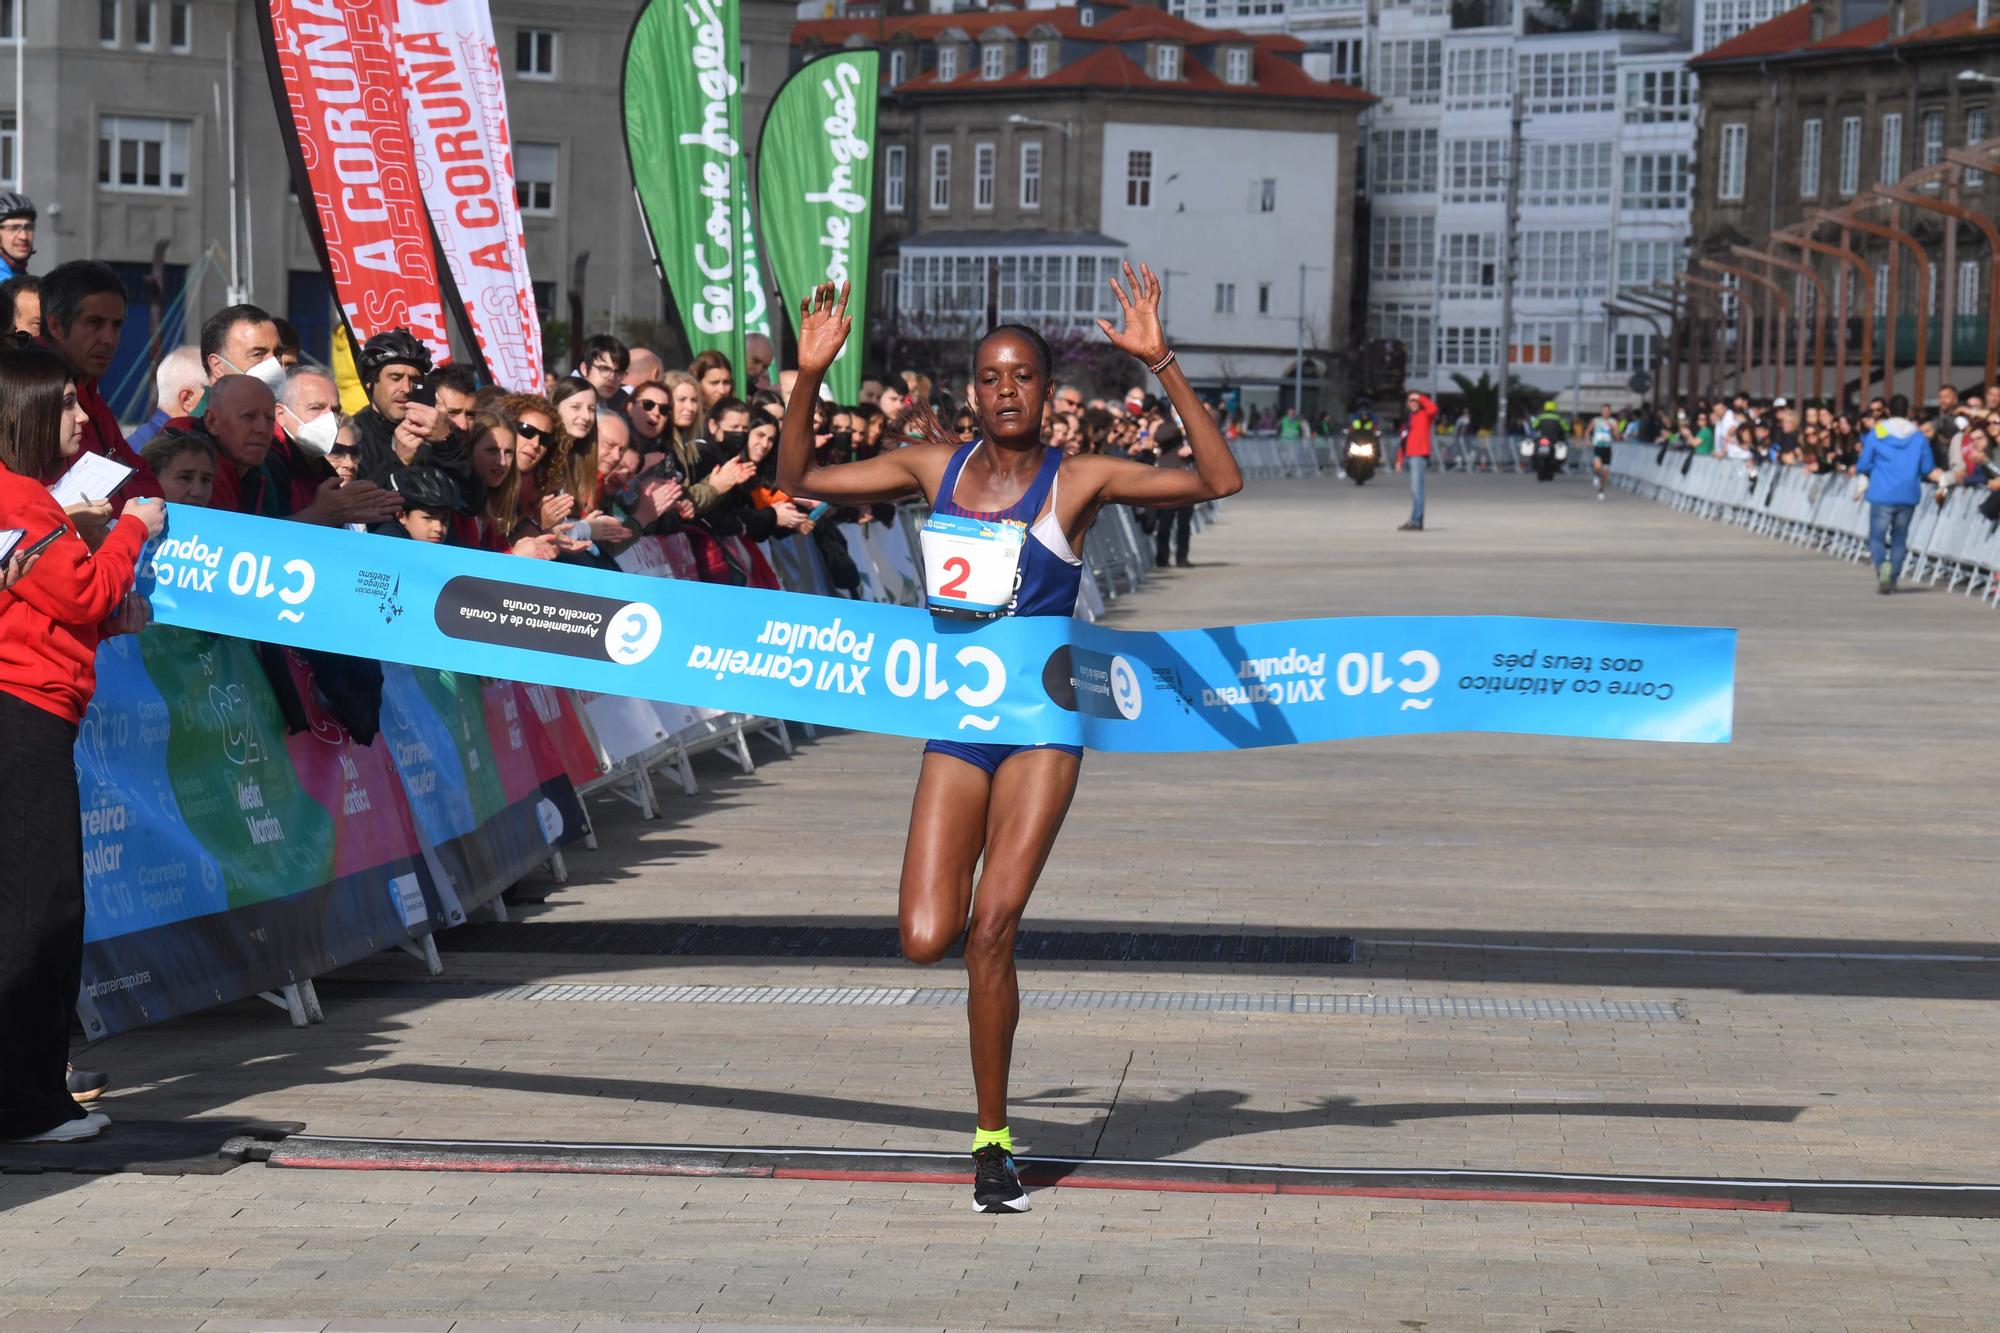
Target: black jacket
(375,435)
(735,513)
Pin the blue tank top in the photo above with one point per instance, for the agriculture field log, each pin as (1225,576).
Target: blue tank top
(1049,583)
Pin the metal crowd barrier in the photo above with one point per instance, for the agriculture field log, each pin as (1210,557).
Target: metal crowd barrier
(1263,457)
(1950,542)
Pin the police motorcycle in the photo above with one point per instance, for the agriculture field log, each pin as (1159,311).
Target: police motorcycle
(1361,451)
(1546,447)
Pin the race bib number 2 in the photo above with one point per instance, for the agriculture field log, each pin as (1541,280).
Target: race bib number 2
(970,564)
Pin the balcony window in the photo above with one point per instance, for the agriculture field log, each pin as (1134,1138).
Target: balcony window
(535,53)
(142,155)
(535,177)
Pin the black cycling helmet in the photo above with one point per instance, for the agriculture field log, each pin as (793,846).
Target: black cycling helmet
(428,488)
(14,204)
(394,347)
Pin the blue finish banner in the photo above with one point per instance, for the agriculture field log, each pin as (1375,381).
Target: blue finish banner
(895,669)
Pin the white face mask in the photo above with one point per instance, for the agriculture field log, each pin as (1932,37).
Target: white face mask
(270,372)
(319,433)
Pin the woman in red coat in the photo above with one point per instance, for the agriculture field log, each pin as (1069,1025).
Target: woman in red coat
(51,618)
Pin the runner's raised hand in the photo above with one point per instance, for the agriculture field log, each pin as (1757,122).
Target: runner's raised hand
(823,325)
(1142,335)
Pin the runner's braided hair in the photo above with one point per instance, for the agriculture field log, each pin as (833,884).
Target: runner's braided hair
(917,424)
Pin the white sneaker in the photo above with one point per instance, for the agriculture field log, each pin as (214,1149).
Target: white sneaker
(83,1127)
(103,1121)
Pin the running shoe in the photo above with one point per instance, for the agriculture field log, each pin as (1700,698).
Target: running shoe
(996,1182)
(87,1085)
(83,1127)
(1885,577)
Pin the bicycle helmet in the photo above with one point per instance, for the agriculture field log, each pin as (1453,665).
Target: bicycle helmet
(393,347)
(428,488)
(14,204)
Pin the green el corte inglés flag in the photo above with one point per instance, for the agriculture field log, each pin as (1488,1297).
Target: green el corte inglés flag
(815,182)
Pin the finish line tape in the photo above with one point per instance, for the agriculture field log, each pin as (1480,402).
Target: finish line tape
(871,667)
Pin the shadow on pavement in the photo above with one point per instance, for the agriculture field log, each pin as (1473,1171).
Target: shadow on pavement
(1196,1118)
(1743,964)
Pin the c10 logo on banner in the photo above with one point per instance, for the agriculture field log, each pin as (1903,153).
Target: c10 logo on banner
(250,576)
(633,633)
(908,667)
(1125,689)
(1358,673)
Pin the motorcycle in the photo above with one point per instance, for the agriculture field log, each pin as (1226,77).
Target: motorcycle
(1545,455)
(1360,455)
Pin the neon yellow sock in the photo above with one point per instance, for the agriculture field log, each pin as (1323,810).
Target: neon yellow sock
(1002,1136)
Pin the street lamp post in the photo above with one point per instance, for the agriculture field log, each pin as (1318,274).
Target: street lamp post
(1865,282)
(1773,348)
(1507,257)
(1923,263)
(1653,309)
(1819,315)
(1969,159)
(1718,291)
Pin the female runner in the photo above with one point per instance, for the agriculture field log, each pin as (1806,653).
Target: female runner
(1003,802)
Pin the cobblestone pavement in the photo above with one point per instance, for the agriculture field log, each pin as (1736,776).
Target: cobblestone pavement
(1811,902)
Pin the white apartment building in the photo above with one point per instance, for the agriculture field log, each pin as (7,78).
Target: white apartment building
(1606,131)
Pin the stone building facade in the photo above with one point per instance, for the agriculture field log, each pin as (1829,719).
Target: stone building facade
(1812,110)
(1023,155)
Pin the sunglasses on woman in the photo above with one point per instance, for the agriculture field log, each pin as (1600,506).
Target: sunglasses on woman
(652,404)
(527,432)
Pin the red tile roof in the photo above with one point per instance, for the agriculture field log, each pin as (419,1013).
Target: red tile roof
(1958,25)
(1104,67)
(1789,34)
(1779,35)
(927,27)
(1872,33)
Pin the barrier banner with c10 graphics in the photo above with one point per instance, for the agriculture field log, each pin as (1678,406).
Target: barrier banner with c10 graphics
(465,167)
(683,111)
(897,669)
(346,127)
(223,857)
(815,189)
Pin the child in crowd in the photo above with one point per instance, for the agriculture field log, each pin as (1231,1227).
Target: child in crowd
(430,504)
(184,465)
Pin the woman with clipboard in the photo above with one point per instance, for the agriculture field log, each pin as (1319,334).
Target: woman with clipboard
(1009,514)
(51,619)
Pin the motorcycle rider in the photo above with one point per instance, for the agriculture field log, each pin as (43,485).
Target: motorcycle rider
(17,234)
(1549,425)
(1362,432)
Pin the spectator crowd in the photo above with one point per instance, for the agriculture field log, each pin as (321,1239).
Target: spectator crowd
(620,448)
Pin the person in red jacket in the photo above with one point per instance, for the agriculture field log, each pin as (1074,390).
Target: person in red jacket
(83,313)
(51,619)
(1415,453)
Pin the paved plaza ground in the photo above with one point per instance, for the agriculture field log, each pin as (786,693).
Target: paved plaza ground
(1806,918)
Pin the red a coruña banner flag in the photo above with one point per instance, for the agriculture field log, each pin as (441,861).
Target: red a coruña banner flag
(465,167)
(342,111)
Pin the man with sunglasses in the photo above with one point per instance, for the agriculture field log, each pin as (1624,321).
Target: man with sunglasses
(17,234)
